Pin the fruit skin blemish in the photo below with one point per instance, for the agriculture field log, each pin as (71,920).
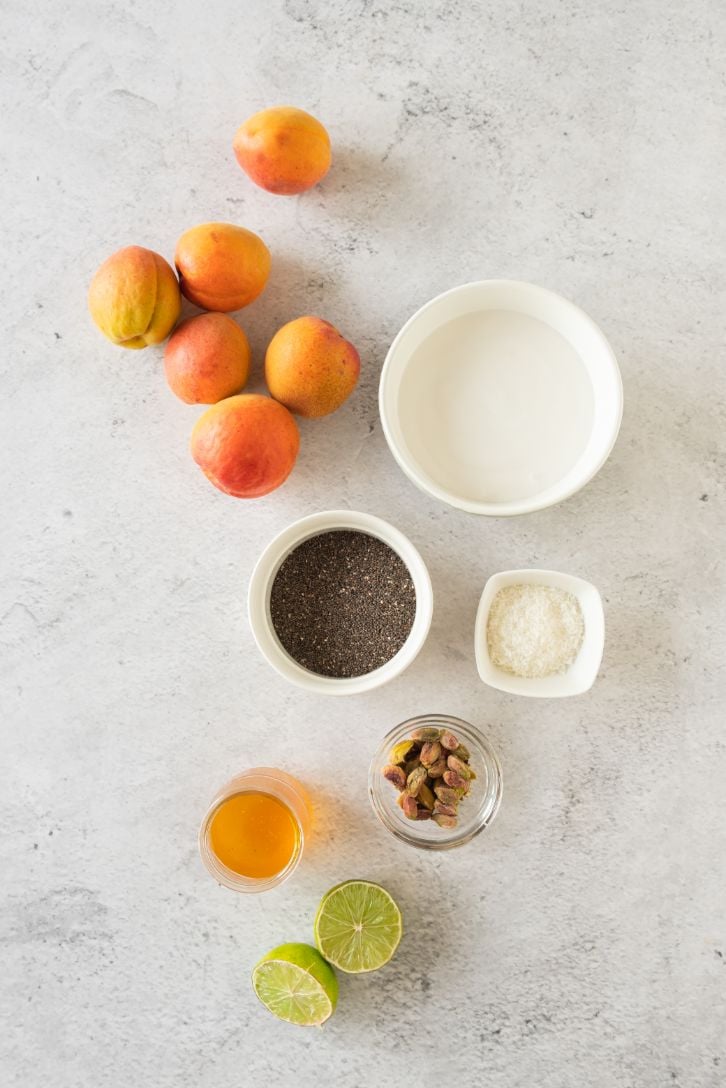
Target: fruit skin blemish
(254,834)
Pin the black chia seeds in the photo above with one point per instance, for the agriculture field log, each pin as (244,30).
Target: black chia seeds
(342,603)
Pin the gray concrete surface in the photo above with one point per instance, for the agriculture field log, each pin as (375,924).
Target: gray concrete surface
(582,940)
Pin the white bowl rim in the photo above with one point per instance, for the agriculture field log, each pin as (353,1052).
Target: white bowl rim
(267,566)
(541,688)
(515,506)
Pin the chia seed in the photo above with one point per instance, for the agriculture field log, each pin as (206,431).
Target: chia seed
(342,603)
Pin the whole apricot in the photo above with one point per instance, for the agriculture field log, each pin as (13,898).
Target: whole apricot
(207,359)
(310,367)
(283,150)
(134,298)
(246,445)
(221,266)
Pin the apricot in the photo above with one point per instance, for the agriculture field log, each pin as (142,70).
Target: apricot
(207,359)
(246,445)
(134,298)
(221,266)
(283,150)
(310,367)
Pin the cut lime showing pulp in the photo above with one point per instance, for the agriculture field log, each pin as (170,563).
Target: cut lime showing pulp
(358,926)
(295,983)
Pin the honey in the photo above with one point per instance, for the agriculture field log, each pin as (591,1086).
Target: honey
(254,834)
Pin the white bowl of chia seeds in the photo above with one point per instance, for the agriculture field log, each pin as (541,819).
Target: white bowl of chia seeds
(340,602)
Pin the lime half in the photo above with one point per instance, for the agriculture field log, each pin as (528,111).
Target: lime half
(295,983)
(358,926)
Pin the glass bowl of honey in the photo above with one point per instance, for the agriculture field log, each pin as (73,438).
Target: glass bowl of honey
(252,835)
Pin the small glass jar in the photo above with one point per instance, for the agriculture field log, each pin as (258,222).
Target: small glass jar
(284,788)
(476,810)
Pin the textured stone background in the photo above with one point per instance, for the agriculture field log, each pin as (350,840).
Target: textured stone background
(582,941)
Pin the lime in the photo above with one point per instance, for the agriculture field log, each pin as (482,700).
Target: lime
(295,983)
(358,926)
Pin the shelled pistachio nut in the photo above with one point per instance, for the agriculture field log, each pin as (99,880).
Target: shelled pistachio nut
(415,781)
(396,775)
(426,732)
(431,771)
(430,752)
(401,751)
(462,768)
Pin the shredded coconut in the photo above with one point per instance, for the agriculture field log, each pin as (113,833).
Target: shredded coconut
(534,630)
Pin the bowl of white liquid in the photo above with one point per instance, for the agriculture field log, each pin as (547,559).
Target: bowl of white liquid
(500,398)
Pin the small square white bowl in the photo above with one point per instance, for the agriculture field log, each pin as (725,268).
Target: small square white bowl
(582,672)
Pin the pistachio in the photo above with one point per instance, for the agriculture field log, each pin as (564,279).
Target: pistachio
(395,775)
(425,796)
(409,806)
(437,769)
(400,752)
(446,794)
(426,732)
(415,781)
(458,765)
(431,771)
(430,753)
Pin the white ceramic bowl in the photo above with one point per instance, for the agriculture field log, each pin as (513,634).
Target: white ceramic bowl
(582,672)
(269,563)
(500,397)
